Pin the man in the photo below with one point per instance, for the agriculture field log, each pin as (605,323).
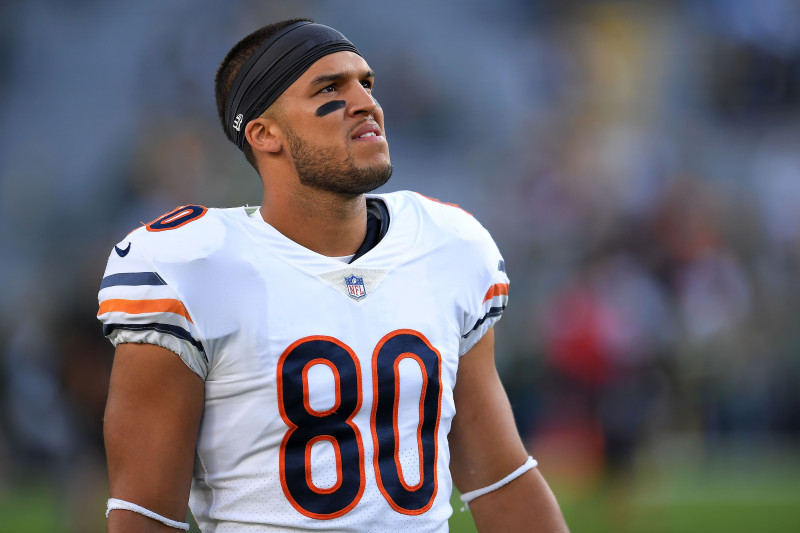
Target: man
(293,367)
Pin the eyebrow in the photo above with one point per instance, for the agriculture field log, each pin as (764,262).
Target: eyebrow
(324,79)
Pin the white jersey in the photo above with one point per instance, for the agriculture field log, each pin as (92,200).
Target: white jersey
(328,386)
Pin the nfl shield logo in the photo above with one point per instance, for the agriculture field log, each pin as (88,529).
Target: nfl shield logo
(355,287)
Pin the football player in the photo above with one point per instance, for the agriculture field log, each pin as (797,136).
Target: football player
(324,362)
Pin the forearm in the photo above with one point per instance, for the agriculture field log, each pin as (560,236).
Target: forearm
(121,521)
(526,504)
(151,424)
(486,448)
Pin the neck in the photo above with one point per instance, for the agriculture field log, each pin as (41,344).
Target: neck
(330,224)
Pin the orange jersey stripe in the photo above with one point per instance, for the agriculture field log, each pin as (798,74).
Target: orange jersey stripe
(445,203)
(496,290)
(137,307)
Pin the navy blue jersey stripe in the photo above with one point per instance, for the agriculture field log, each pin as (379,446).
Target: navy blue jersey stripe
(132,278)
(169,329)
(493,312)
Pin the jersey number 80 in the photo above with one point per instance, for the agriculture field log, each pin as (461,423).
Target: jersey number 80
(335,425)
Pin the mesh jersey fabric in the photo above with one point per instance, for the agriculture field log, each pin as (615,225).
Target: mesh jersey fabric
(329,386)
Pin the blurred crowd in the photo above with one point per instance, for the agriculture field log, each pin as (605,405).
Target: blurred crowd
(638,164)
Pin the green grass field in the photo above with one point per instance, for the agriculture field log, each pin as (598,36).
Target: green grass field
(741,494)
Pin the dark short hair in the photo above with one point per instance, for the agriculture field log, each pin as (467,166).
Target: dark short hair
(234,60)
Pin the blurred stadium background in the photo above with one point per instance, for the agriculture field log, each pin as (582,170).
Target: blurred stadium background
(637,162)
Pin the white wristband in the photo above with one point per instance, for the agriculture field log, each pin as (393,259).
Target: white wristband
(114,503)
(471,495)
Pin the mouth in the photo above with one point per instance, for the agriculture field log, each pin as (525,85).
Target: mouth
(369,132)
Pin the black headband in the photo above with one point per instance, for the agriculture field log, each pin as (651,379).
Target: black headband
(278,62)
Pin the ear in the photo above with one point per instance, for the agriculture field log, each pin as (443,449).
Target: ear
(262,134)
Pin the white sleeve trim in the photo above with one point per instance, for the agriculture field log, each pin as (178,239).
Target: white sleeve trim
(472,338)
(491,311)
(190,355)
(114,503)
(471,495)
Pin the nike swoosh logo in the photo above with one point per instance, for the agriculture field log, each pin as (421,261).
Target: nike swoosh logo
(121,252)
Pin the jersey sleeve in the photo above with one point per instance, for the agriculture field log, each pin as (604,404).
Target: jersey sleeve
(488,296)
(138,306)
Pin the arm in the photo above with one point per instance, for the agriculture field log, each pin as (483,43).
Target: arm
(486,447)
(151,423)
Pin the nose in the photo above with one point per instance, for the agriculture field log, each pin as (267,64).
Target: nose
(362,102)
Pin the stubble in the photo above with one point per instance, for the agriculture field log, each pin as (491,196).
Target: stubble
(321,169)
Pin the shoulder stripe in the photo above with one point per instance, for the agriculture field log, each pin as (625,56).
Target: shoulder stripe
(132,278)
(175,331)
(498,289)
(138,307)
